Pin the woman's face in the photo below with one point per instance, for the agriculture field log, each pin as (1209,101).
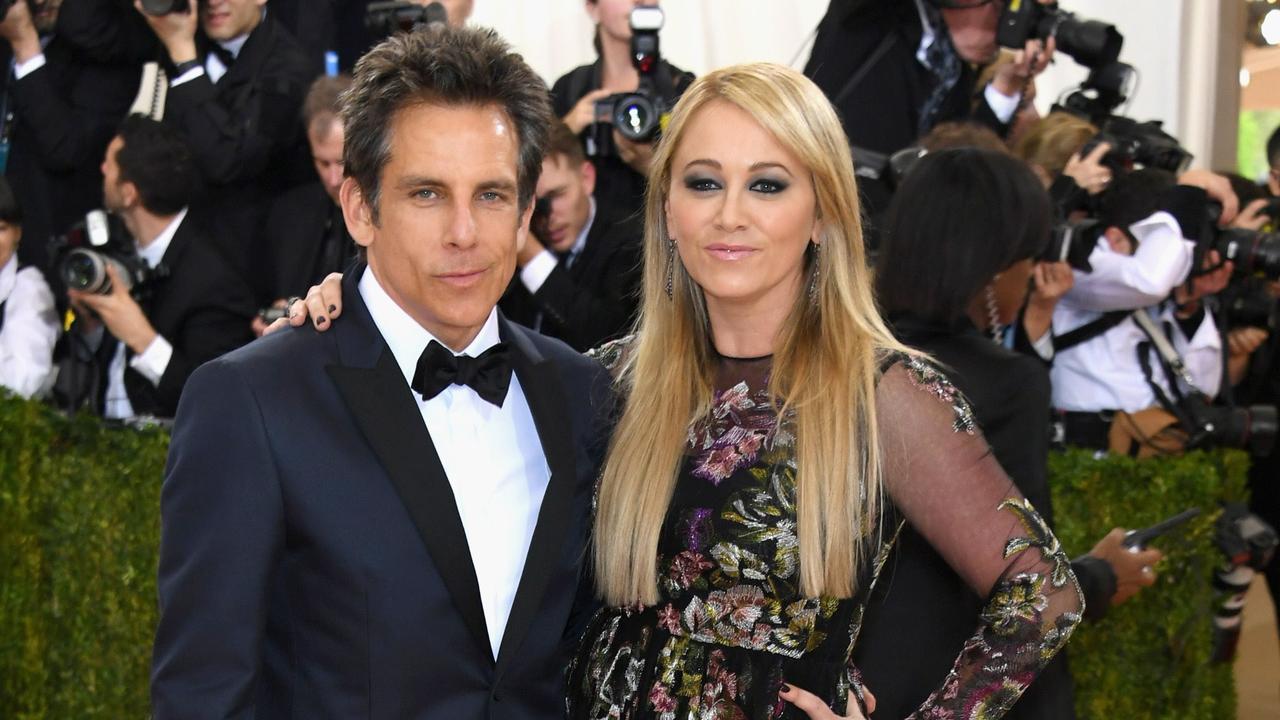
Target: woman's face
(9,236)
(741,209)
(614,16)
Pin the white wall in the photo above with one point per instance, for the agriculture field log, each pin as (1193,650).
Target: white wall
(700,35)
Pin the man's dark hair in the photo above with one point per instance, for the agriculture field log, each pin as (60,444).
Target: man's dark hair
(564,144)
(447,66)
(10,208)
(961,216)
(1273,149)
(158,162)
(1135,196)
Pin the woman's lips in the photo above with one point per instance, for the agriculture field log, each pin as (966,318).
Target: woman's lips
(725,251)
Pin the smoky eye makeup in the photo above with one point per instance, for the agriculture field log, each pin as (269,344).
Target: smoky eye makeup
(700,183)
(769,186)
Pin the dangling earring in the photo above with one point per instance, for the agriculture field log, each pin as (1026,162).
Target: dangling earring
(671,265)
(993,315)
(817,268)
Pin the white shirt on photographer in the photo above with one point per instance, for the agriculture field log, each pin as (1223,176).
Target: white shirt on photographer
(29,332)
(1104,373)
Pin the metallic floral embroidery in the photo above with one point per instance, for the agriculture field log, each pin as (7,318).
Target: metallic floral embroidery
(927,378)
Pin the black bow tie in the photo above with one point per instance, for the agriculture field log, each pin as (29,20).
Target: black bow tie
(489,375)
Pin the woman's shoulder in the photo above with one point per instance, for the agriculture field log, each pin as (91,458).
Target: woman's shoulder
(906,378)
(613,355)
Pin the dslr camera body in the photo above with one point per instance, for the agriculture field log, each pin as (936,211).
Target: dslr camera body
(388,17)
(165,7)
(641,115)
(82,256)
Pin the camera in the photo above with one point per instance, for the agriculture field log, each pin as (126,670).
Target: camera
(1248,545)
(82,256)
(638,116)
(1091,43)
(165,7)
(389,17)
(1251,428)
(1253,252)
(1073,242)
(1247,302)
(1135,144)
(541,218)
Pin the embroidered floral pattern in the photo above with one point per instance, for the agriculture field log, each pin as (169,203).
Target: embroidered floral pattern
(927,378)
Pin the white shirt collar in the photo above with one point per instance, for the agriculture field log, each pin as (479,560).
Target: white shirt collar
(8,277)
(235,44)
(581,241)
(928,35)
(154,253)
(406,338)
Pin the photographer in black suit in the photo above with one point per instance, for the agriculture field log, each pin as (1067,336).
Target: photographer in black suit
(304,230)
(193,307)
(66,101)
(579,272)
(235,89)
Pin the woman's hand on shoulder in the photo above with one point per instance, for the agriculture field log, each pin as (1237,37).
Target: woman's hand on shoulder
(322,305)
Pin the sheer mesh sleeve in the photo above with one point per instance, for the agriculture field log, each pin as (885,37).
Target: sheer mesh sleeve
(942,478)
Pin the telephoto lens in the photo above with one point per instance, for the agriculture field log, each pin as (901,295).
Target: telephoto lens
(85,269)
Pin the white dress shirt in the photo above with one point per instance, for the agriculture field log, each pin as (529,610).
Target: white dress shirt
(30,330)
(1104,373)
(154,360)
(213,65)
(491,455)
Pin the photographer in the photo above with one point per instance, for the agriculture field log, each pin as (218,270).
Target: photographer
(235,89)
(28,319)
(193,308)
(620,165)
(579,277)
(305,231)
(915,64)
(65,101)
(1106,365)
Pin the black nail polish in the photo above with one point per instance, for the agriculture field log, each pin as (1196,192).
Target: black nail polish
(786,687)
(321,320)
(333,309)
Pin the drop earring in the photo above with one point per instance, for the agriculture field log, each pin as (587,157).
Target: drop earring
(671,265)
(817,269)
(993,315)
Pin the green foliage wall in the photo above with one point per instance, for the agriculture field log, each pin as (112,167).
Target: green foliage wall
(1149,657)
(79,528)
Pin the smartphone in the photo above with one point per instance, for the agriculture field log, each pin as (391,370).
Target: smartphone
(1137,540)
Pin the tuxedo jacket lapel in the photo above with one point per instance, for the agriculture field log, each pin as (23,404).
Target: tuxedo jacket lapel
(540,381)
(384,408)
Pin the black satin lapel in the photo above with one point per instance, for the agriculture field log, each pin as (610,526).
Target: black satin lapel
(392,424)
(540,381)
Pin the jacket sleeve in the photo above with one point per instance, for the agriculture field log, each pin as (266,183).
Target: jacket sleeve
(222,533)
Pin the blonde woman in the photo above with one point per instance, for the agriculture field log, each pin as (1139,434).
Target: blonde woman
(773,436)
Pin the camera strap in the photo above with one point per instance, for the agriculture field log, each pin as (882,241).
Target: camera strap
(1089,330)
(1170,358)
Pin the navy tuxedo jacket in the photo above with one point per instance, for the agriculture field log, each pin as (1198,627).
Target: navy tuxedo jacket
(313,563)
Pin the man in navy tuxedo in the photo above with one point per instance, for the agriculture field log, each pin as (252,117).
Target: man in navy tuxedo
(388,520)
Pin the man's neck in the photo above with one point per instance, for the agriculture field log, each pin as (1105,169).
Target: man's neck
(145,226)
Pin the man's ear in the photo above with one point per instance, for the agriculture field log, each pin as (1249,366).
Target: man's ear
(588,173)
(522,231)
(129,195)
(357,213)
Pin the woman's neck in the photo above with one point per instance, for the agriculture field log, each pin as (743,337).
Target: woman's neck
(743,328)
(618,73)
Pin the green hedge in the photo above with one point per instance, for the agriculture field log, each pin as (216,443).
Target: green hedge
(1149,657)
(79,529)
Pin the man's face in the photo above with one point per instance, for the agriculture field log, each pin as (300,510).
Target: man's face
(229,19)
(325,138)
(45,15)
(567,185)
(973,31)
(449,222)
(112,191)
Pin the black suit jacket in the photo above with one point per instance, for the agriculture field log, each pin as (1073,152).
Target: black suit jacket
(247,138)
(595,299)
(295,232)
(199,306)
(921,611)
(65,114)
(312,561)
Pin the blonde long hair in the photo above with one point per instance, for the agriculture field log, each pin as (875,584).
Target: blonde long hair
(824,365)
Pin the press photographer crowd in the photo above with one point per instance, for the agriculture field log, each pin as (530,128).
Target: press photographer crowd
(172,189)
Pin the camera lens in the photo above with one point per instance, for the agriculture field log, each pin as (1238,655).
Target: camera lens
(83,270)
(635,118)
(164,7)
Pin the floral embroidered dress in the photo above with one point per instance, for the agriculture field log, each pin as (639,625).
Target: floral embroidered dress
(732,626)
